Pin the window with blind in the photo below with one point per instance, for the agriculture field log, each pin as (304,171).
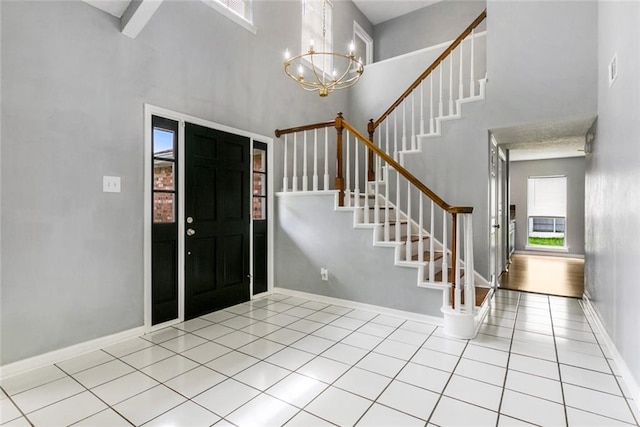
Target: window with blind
(546,210)
(312,13)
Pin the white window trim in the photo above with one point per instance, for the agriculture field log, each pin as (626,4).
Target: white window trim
(304,44)
(224,10)
(359,32)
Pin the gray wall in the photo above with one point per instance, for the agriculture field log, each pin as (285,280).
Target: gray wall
(542,61)
(72,111)
(431,25)
(311,234)
(573,168)
(613,184)
(455,166)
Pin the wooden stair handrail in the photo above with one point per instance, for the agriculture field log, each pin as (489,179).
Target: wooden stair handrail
(321,125)
(343,124)
(374,124)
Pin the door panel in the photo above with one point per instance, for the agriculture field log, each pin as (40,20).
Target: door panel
(233,260)
(217,204)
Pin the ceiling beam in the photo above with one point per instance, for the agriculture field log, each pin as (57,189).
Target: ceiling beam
(137,16)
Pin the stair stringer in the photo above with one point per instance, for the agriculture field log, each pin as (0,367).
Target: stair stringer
(420,138)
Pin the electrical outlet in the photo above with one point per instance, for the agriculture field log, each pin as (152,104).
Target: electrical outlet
(324,274)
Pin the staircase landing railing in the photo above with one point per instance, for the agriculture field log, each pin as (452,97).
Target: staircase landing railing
(438,91)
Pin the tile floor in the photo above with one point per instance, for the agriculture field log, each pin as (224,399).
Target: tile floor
(289,361)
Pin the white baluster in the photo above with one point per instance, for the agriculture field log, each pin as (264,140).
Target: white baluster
(367,213)
(326,159)
(460,78)
(404,127)
(315,160)
(445,264)
(472,83)
(379,170)
(422,108)
(431,122)
(348,186)
(432,267)
(456,276)
(470,290)
(420,228)
(295,162)
(445,250)
(356,175)
(387,225)
(386,137)
(398,224)
(395,136)
(409,248)
(440,103)
(451,112)
(285,179)
(413,121)
(305,178)
(376,189)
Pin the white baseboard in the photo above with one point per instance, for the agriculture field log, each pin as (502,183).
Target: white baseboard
(56,356)
(623,369)
(424,318)
(555,253)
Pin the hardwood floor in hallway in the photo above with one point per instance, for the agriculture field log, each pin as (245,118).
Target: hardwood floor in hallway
(545,275)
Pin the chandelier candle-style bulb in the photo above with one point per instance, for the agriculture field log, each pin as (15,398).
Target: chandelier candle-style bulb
(311,50)
(287,55)
(352,49)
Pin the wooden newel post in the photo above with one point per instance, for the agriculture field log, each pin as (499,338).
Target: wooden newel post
(454,255)
(371,173)
(339,181)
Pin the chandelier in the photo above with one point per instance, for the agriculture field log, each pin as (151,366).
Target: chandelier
(346,68)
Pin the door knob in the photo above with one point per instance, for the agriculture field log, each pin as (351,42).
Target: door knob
(189,220)
(496,226)
(190,231)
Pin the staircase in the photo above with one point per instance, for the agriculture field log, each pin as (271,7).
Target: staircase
(427,234)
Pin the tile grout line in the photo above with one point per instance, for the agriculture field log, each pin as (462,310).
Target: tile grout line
(506,374)
(23,414)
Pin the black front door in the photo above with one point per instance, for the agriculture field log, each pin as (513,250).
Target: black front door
(217,213)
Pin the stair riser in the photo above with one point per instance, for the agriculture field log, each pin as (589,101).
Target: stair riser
(372,216)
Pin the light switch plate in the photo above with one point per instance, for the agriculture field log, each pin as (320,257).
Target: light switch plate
(111,184)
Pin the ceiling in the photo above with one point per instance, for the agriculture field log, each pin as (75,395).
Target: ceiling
(547,140)
(113,7)
(376,11)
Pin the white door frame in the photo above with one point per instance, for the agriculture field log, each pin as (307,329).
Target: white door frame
(181,118)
